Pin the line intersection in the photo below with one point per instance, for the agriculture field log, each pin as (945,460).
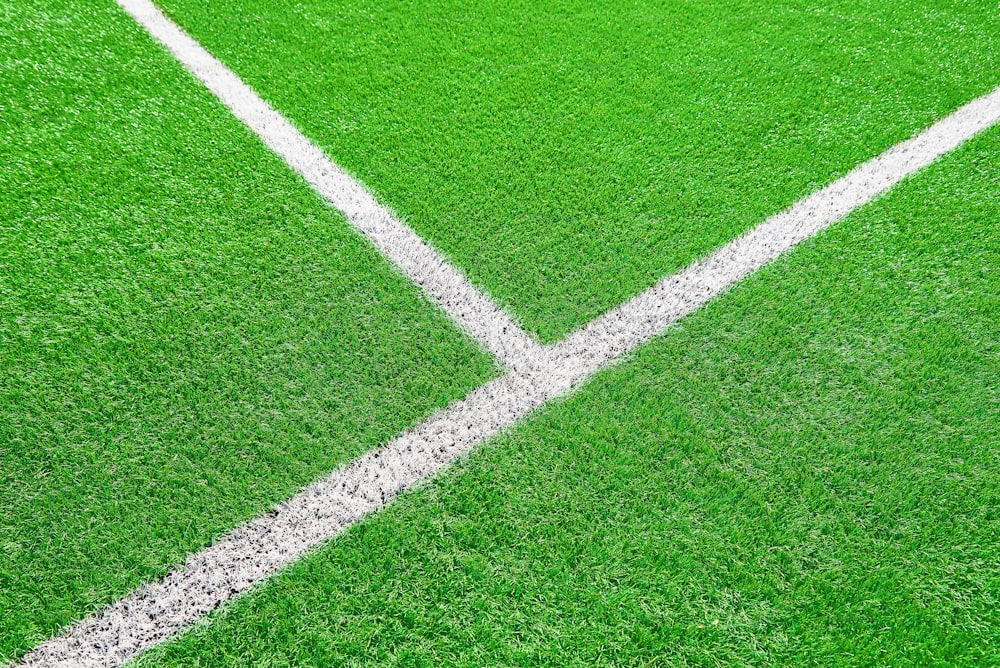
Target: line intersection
(535,374)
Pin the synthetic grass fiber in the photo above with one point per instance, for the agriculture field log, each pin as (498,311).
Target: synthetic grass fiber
(568,154)
(188,335)
(803,473)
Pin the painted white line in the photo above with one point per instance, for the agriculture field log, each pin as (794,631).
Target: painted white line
(640,318)
(471,309)
(254,552)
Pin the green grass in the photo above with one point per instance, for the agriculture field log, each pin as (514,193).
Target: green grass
(568,154)
(806,472)
(187,333)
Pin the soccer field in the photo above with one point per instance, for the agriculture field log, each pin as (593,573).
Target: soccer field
(499,333)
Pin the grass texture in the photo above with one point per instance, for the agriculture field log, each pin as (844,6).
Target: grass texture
(803,473)
(568,154)
(187,334)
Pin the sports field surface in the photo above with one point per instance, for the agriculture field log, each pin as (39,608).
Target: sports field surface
(499,333)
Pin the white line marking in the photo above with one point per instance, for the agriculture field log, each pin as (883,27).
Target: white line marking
(254,552)
(640,318)
(470,308)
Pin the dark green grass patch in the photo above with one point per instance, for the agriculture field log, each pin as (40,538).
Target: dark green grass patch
(568,154)
(807,472)
(187,334)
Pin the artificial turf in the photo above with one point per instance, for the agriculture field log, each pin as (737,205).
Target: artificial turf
(188,335)
(568,154)
(806,472)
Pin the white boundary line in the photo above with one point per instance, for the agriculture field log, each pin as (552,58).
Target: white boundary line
(640,318)
(471,309)
(252,553)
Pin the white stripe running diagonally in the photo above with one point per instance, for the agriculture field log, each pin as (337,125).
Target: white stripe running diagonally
(471,309)
(253,552)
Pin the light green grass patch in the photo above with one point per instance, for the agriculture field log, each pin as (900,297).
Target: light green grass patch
(806,472)
(188,335)
(568,154)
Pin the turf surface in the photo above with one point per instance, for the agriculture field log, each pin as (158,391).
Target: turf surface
(187,334)
(804,473)
(568,154)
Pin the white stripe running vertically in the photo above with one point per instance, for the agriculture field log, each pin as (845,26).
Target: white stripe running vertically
(470,308)
(253,552)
